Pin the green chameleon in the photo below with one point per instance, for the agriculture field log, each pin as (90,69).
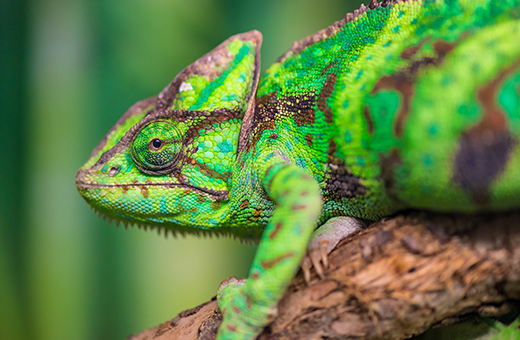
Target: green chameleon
(401,104)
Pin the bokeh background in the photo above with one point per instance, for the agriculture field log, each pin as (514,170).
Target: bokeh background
(68,70)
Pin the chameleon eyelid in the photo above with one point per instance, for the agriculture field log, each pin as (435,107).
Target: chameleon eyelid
(156,169)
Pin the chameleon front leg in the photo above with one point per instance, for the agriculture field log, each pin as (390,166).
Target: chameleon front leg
(248,306)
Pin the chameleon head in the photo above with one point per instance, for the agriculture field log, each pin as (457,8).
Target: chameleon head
(168,161)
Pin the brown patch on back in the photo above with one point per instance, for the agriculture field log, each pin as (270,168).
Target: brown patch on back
(309,139)
(493,119)
(270,125)
(485,148)
(339,181)
(443,47)
(409,52)
(326,92)
(305,118)
(328,67)
(440,47)
(404,80)
(406,88)
(331,157)
(270,109)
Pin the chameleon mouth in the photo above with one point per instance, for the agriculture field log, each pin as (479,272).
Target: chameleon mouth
(82,185)
(87,191)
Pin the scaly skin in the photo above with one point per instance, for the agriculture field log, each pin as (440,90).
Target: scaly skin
(410,104)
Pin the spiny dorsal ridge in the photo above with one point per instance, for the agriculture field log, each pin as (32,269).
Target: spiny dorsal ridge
(372,4)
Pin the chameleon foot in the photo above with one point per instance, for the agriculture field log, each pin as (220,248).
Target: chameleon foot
(323,241)
(235,302)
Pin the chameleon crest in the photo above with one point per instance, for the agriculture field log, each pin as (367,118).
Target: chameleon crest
(401,104)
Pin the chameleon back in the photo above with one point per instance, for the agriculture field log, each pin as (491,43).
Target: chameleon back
(412,104)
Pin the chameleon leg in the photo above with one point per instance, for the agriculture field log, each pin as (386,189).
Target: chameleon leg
(323,241)
(248,307)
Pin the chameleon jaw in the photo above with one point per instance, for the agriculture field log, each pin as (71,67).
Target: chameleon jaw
(218,195)
(82,186)
(88,193)
(120,202)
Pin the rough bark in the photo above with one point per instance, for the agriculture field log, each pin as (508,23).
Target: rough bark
(395,279)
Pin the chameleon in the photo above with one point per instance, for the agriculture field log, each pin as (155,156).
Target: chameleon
(403,104)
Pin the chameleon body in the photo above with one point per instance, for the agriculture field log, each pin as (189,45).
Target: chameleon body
(402,104)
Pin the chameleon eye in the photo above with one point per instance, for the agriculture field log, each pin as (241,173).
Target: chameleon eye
(157,143)
(156,148)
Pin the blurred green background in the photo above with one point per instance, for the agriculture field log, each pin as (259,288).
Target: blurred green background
(68,70)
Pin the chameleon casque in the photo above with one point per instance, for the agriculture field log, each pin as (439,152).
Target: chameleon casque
(401,104)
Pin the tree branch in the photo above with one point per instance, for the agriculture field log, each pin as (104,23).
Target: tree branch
(397,278)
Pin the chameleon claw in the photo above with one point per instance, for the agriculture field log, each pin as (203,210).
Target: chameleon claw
(324,240)
(324,254)
(306,268)
(315,256)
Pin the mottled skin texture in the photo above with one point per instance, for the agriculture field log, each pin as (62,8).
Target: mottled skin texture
(410,104)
